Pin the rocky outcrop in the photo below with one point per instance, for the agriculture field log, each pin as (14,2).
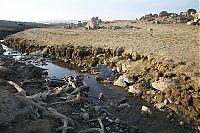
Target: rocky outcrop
(191,17)
(93,23)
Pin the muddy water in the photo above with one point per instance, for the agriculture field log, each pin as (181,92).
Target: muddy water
(158,122)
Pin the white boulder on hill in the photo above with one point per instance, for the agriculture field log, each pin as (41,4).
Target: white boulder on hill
(93,23)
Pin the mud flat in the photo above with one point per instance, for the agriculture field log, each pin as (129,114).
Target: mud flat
(159,63)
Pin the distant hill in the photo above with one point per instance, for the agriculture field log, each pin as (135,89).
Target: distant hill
(10,27)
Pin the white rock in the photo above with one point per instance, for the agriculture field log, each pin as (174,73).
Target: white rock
(101,96)
(127,80)
(133,90)
(124,68)
(159,105)
(120,82)
(152,92)
(119,69)
(166,101)
(161,84)
(146,110)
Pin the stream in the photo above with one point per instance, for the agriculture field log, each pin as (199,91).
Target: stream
(157,122)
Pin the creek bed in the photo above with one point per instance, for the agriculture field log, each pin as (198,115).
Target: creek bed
(158,121)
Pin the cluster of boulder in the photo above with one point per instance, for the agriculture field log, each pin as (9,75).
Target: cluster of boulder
(191,17)
(93,23)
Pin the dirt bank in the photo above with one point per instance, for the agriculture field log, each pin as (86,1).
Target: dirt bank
(161,63)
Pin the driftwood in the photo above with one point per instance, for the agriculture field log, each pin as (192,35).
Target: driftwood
(50,112)
(73,93)
(18,88)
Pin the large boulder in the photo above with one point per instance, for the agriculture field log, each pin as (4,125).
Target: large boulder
(93,23)
(191,11)
(163,14)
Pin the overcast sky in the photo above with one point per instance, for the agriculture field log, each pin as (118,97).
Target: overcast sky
(39,10)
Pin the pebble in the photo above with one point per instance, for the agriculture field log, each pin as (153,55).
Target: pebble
(146,110)
(117,120)
(97,108)
(108,128)
(101,96)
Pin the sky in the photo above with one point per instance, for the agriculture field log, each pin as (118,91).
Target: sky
(42,10)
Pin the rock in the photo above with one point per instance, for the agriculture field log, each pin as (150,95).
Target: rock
(159,105)
(191,11)
(133,90)
(128,79)
(93,23)
(190,23)
(150,29)
(117,120)
(151,92)
(161,85)
(156,22)
(196,103)
(163,14)
(97,108)
(101,96)
(120,82)
(123,106)
(146,110)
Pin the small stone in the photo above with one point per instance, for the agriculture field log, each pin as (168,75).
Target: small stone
(108,128)
(181,123)
(146,110)
(133,90)
(120,82)
(159,105)
(110,120)
(97,108)
(117,120)
(101,96)
(165,101)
